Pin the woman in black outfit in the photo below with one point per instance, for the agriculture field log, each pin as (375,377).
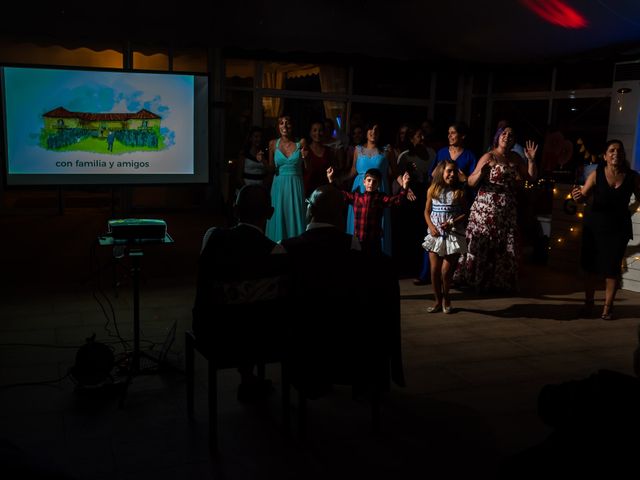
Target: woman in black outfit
(607,224)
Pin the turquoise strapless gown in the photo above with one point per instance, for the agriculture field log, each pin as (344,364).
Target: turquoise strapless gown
(287,196)
(364,163)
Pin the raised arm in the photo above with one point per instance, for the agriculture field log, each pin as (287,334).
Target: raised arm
(482,168)
(530,154)
(396,174)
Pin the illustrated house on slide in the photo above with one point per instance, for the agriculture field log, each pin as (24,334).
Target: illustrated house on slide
(61,118)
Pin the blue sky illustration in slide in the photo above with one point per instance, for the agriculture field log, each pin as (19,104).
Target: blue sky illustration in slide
(31,92)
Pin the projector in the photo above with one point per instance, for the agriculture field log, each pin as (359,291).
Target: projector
(137,229)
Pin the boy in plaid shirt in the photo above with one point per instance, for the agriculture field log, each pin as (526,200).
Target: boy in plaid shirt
(369,206)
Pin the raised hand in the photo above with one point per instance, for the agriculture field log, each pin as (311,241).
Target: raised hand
(530,150)
(330,174)
(405,180)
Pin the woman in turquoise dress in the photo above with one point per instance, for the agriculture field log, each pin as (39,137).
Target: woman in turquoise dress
(367,156)
(286,159)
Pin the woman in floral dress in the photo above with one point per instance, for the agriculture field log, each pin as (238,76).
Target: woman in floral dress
(491,262)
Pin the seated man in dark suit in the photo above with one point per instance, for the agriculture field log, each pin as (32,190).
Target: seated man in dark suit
(240,290)
(341,328)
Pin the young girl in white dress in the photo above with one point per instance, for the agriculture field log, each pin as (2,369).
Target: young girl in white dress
(445,212)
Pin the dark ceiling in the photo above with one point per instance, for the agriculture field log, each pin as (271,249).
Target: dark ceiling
(484,31)
(478,31)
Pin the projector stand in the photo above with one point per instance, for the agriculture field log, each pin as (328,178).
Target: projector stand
(135,253)
(134,366)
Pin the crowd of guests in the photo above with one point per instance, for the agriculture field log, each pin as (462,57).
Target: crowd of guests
(458,220)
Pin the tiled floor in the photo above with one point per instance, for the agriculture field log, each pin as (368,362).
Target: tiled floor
(473,379)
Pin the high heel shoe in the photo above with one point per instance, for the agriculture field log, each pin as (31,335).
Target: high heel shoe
(606,312)
(446,310)
(434,309)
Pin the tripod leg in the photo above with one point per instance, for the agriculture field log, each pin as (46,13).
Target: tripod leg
(126,387)
(189,369)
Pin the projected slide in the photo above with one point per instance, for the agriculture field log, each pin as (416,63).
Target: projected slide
(74,122)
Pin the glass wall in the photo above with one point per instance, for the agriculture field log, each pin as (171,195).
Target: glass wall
(536,99)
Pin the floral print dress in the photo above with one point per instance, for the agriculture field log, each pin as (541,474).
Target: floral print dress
(491,261)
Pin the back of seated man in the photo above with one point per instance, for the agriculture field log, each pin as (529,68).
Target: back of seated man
(337,328)
(241,285)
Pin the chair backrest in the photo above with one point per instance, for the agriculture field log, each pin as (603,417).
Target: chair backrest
(240,294)
(344,310)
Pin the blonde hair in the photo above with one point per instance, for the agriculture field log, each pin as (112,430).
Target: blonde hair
(438,184)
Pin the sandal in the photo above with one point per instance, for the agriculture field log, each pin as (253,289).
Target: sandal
(606,312)
(434,309)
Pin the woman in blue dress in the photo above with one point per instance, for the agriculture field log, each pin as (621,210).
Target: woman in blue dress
(367,156)
(286,159)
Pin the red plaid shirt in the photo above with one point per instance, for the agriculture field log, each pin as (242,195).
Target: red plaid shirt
(368,208)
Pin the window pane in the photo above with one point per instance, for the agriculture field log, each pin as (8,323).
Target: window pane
(239,73)
(522,78)
(583,118)
(447,86)
(389,116)
(238,115)
(393,79)
(444,114)
(305,77)
(302,112)
(480,83)
(147,58)
(192,60)
(584,75)
(528,117)
(475,141)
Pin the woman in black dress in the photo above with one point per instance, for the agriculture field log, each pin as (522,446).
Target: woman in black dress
(607,224)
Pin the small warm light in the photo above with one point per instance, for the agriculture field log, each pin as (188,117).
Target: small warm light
(620,97)
(559,240)
(571,229)
(568,196)
(580,215)
(555,190)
